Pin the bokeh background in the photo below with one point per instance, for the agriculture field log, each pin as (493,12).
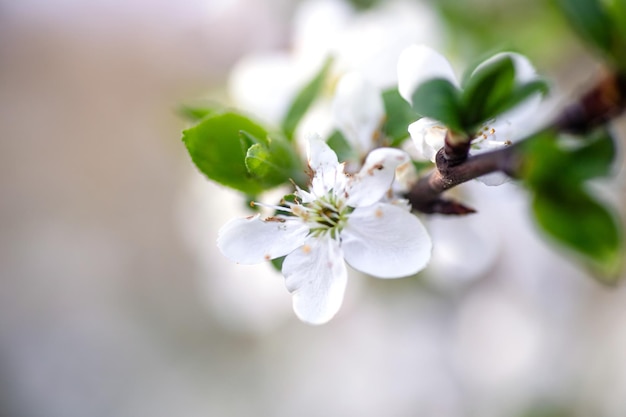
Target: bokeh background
(114,300)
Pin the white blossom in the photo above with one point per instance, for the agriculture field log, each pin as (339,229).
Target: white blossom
(369,42)
(419,64)
(358,112)
(339,218)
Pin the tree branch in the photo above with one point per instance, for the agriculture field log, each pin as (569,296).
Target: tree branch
(606,100)
(600,104)
(425,196)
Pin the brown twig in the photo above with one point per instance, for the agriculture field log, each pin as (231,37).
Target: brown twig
(425,196)
(606,100)
(600,104)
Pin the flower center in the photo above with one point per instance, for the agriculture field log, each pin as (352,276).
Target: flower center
(327,214)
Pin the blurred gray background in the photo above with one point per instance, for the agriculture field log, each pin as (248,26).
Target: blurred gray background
(115,302)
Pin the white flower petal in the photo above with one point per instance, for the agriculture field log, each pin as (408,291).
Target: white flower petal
(520,121)
(494,179)
(374,179)
(316,276)
(252,240)
(418,64)
(310,44)
(323,161)
(385,241)
(524,70)
(429,136)
(372,43)
(358,111)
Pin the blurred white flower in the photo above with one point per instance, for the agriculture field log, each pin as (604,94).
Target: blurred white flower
(241,299)
(464,250)
(367,42)
(340,217)
(358,112)
(419,64)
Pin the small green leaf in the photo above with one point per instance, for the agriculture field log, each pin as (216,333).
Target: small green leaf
(486,91)
(422,166)
(578,221)
(617,11)
(590,20)
(400,115)
(439,100)
(341,146)
(197,112)
(248,140)
(304,99)
(548,161)
(521,93)
(277,263)
(557,175)
(215,147)
(594,158)
(542,160)
(258,161)
(274,162)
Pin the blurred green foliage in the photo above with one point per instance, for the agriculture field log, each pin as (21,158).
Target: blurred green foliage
(563,203)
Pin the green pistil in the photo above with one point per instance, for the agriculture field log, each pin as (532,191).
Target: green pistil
(329,214)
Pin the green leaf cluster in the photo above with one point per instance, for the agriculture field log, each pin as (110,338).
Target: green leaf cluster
(563,205)
(232,149)
(490,90)
(602,23)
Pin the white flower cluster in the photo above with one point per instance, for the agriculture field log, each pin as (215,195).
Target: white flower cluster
(345,216)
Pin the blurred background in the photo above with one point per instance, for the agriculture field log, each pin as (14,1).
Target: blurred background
(114,300)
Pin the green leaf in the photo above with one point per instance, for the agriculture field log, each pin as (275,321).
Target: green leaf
(439,100)
(557,175)
(594,158)
(521,93)
(542,160)
(400,115)
(486,90)
(590,20)
(549,161)
(342,147)
(304,99)
(581,223)
(617,11)
(277,263)
(422,166)
(247,140)
(215,146)
(197,112)
(275,162)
